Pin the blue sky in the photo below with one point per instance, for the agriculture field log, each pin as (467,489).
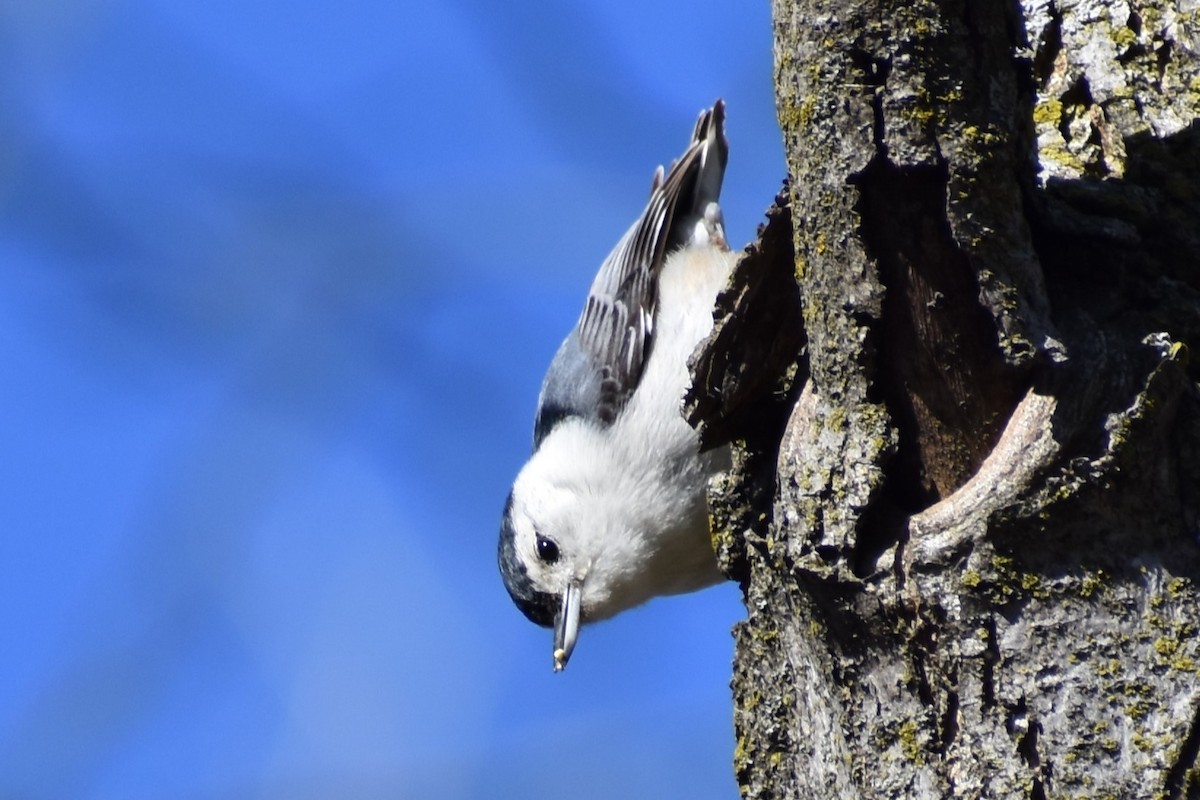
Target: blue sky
(278,283)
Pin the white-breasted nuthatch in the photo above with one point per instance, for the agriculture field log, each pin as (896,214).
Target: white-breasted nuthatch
(610,509)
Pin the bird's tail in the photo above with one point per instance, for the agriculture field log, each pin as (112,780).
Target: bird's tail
(696,216)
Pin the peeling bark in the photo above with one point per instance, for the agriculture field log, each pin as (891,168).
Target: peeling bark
(965,503)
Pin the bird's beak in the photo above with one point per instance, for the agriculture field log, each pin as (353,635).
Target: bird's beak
(566,625)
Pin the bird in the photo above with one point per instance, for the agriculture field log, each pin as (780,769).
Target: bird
(610,509)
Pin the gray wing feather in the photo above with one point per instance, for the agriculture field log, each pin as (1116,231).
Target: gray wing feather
(599,364)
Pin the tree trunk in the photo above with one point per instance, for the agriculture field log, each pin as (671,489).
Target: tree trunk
(965,506)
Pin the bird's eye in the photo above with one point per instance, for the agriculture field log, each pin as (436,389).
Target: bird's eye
(547,550)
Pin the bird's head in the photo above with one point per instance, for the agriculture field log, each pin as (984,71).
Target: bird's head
(560,557)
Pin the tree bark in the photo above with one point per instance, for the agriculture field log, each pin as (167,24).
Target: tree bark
(965,503)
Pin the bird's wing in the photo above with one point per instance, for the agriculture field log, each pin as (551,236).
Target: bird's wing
(600,363)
